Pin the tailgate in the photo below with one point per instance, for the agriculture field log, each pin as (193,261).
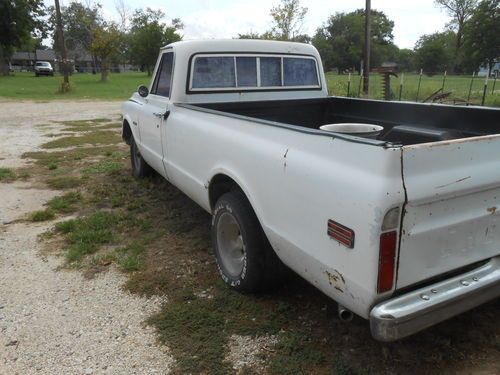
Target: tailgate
(452,215)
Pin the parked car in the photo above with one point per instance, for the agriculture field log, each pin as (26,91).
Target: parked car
(390,208)
(43,68)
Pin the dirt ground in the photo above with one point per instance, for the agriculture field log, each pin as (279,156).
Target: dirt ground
(56,321)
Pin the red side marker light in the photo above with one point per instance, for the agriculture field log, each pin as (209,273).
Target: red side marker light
(341,233)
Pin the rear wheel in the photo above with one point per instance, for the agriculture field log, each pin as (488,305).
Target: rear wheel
(245,259)
(140,168)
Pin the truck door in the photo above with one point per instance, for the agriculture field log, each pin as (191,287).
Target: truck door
(155,114)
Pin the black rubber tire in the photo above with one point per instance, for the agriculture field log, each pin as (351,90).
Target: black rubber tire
(140,169)
(262,269)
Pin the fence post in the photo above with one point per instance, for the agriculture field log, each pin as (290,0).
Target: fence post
(349,84)
(494,83)
(418,87)
(470,87)
(401,85)
(360,81)
(444,80)
(484,90)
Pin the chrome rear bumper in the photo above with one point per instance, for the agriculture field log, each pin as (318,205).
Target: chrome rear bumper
(412,312)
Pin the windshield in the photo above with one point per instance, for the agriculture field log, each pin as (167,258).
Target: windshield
(42,64)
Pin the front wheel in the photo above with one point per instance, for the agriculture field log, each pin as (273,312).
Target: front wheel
(245,259)
(140,168)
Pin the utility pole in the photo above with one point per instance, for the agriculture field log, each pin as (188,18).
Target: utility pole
(64,56)
(366,77)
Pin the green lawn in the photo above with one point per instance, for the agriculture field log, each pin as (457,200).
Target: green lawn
(84,86)
(458,85)
(121,85)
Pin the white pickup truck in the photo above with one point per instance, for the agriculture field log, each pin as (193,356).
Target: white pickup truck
(400,225)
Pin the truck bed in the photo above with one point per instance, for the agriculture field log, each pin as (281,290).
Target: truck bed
(404,123)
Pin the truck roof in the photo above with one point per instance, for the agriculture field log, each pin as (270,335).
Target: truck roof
(189,47)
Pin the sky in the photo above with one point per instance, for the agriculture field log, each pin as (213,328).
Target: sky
(208,19)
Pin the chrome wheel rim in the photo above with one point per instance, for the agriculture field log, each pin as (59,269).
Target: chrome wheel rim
(230,244)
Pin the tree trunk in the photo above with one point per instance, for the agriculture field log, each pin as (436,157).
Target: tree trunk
(4,64)
(104,71)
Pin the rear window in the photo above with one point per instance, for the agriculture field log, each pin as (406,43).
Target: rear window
(224,72)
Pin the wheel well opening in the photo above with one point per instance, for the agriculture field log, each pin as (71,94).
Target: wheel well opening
(126,132)
(221,184)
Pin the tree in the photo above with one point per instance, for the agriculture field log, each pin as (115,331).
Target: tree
(19,21)
(340,42)
(107,42)
(288,19)
(80,23)
(435,52)
(460,11)
(482,44)
(148,34)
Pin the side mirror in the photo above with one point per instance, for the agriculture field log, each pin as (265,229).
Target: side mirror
(143,91)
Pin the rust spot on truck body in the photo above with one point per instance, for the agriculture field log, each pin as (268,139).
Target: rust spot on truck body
(492,210)
(336,279)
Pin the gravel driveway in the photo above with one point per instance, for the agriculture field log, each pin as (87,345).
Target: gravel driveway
(55,321)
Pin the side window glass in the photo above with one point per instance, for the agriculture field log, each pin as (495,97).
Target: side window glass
(247,71)
(214,72)
(163,78)
(299,72)
(270,71)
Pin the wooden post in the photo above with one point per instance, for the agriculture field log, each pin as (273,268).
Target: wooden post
(65,86)
(444,80)
(366,67)
(494,83)
(360,81)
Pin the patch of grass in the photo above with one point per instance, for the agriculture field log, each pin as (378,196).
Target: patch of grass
(65,203)
(85,235)
(52,166)
(7,174)
(44,158)
(93,138)
(108,167)
(457,84)
(128,257)
(66,182)
(83,86)
(42,215)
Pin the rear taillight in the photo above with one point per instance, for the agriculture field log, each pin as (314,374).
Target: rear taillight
(386,261)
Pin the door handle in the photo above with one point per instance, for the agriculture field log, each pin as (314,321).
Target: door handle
(163,115)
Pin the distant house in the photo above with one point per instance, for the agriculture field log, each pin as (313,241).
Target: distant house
(82,61)
(24,61)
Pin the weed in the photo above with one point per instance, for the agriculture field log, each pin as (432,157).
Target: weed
(7,174)
(52,166)
(42,215)
(129,257)
(66,182)
(65,203)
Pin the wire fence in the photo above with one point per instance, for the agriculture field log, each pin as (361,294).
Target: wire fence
(440,87)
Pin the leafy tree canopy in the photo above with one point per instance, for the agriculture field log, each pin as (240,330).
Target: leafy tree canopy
(148,34)
(341,40)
